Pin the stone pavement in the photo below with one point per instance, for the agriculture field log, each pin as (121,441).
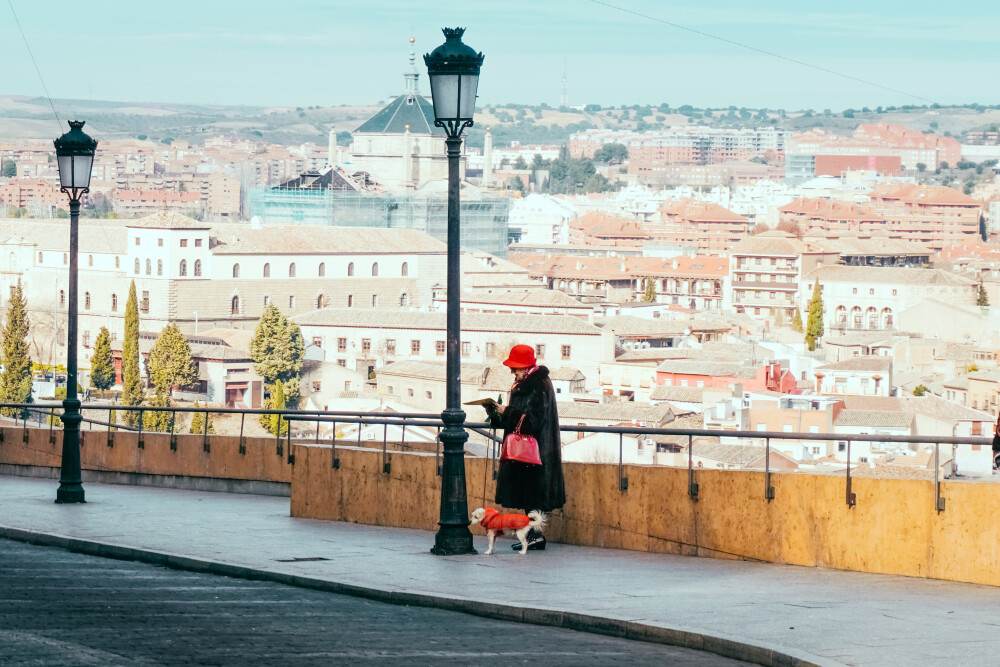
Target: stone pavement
(771,614)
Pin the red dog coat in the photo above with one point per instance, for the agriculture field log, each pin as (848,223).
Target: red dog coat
(500,522)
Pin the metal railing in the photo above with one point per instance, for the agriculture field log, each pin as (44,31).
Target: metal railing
(285,442)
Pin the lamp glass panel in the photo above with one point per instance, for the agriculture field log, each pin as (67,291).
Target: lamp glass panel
(66,171)
(82,165)
(467,108)
(444,90)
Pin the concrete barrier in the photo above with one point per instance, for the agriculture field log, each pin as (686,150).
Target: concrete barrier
(893,529)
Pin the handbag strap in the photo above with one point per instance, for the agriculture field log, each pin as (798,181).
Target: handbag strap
(517,429)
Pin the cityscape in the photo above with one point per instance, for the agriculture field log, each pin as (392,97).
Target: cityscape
(799,300)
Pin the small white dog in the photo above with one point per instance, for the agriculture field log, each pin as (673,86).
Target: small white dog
(495,523)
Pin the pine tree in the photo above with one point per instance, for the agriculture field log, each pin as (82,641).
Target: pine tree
(650,294)
(277,349)
(132,392)
(157,420)
(814,327)
(983,299)
(15,382)
(797,321)
(102,364)
(169,363)
(198,422)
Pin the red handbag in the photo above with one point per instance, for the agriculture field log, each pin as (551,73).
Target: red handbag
(518,447)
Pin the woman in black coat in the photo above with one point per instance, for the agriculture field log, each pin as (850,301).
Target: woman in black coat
(523,485)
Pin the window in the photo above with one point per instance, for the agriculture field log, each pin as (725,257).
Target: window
(814,429)
(466,348)
(149,267)
(62,297)
(320,301)
(184,243)
(291,270)
(871,292)
(39,258)
(86,300)
(350,269)
(429,395)
(86,339)
(404,270)
(341,345)
(197,243)
(235,306)
(540,351)
(114,303)
(894,292)
(267,270)
(159,267)
(267,300)
(159,243)
(409,392)
(236,270)
(414,347)
(491,349)
(317,385)
(375,270)
(439,347)
(322,269)
(374,300)
(390,346)
(291,301)
(137,240)
(565,352)
(389,390)
(854,290)
(197,267)
(366,345)
(342,363)
(350,300)
(144,304)
(183,270)
(118,262)
(90,260)
(317,341)
(761,427)
(815,450)
(786,428)
(404,299)
(841,446)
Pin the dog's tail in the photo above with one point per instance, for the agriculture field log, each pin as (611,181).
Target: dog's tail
(536,519)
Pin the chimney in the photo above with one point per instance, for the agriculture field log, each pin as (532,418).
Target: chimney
(488,158)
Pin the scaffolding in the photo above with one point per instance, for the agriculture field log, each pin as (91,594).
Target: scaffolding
(484,217)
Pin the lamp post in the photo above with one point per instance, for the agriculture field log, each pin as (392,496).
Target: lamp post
(453,70)
(75,152)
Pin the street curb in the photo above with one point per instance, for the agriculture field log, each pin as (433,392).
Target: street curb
(761,653)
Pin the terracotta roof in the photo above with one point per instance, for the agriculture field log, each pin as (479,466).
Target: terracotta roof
(322,240)
(913,193)
(936,406)
(696,211)
(535,297)
(708,368)
(380,318)
(631,326)
(167,220)
(776,243)
(697,266)
(864,363)
(735,455)
(433,370)
(830,209)
(874,418)
(886,275)
(616,412)
(679,394)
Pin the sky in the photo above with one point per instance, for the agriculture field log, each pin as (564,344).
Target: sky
(329,52)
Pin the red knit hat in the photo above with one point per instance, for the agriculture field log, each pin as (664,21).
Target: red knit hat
(521,356)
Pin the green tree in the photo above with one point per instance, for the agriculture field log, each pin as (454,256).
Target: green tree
(132,392)
(102,364)
(519,163)
(921,167)
(9,169)
(920,390)
(814,327)
(649,296)
(15,382)
(277,350)
(797,321)
(983,299)
(198,422)
(274,423)
(157,420)
(611,153)
(517,184)
(982,229)
(169,363)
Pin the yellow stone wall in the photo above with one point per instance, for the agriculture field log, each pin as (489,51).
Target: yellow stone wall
(893,528)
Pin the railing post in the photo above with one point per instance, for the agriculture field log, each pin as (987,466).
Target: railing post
(768,489)
(205,446)
(852,498)
(692,487)
(142,445)
(317,431)
(277,437)
(52,434)
(288,438)
(243,445)
(437,453)
(24,433)
(492,451)
(622,479)
(386,463)
(173,435)
(111,441)
(334,460)
(938,500)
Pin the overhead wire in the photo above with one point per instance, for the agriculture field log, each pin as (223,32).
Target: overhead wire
(765,52)
(38,71)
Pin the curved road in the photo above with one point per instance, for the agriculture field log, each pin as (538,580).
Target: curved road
(62,608)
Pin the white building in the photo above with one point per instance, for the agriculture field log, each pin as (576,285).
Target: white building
(857,376)
(541,219)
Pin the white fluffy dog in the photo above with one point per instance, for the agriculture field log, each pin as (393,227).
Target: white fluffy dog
(495,523)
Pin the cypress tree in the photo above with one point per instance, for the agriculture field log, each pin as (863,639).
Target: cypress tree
(277,349)
(797,321)
(278,425)
(650,294)
(15,383)
(102,364)
(198,421)
(983,299)
(814,327)
(132,392)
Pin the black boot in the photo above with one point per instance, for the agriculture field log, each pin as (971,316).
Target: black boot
(536,541)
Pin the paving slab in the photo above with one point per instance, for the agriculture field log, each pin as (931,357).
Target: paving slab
(772,614)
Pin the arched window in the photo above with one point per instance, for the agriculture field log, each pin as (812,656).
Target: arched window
(291,270)
(114,303)
(374,269)
(90,260)
(322,269)
(404,270)
(887,318)
(65,259)
(350,267)
(159,267)
(872,318)
(40,259)
(183,268)
(856,317)
(62,297)
(118,262)
(321,301)
(374,300)
(136,266)
(235,306)
(403,299)
(267,270)
(350,300)
(841,314)
(149,267)
(86,300)
(197,267)
(236,270)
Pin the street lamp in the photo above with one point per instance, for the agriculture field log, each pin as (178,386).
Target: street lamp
(453,69)
(75,153)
